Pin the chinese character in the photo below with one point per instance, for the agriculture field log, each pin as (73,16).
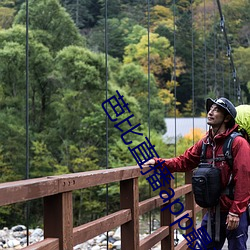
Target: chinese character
(204,236)
(130,130)
(163,171)
(146,152)
(154,182)
(116,105)
(198,239)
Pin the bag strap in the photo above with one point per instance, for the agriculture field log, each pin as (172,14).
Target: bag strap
(227,151)
(203,152)
(227,148)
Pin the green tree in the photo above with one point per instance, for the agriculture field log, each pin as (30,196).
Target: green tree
(136,82)
(53,25)
(6,17)
(241,56)
(84,13)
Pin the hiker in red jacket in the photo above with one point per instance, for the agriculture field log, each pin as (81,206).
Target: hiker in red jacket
(233,225)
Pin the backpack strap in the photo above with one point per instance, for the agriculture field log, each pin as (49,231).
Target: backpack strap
(227,151)
(227,148)
(203,152)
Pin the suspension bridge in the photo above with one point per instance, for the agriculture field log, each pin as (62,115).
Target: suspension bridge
(56,192)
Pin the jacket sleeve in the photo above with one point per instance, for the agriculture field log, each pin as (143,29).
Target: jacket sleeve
(185,162)
(241,175)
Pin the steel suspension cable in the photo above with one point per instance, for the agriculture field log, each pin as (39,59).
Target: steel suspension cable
(205,50)
(175,95)
(229,54)
(192,73)
(174,75)
(27,207)
(222,68)
(215,52)
(106,82)
(148,28)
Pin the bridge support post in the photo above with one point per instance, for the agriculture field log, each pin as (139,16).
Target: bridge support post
(129,198)
(190,202)
(58,219)
(166,219)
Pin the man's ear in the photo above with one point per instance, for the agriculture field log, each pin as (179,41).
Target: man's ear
(227,118)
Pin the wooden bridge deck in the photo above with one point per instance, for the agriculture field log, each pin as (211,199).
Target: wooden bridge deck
(56,192)
(59,232)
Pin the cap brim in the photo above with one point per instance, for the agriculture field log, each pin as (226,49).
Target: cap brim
(209,103)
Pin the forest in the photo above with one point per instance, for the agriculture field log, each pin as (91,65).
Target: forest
(165,57)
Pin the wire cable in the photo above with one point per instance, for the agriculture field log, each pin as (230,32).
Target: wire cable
(205,49)
(215,52)
(148,27)
(192,76)
(236,82)
(106,82)
(27,207)
(175,95)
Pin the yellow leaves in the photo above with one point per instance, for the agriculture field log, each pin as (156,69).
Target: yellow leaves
(166,96)
(171,85)
(6,17)
(189,139)
(159,53)
(161,16)
(195,134)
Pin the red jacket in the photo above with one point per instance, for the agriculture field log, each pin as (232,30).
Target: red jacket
(241,167)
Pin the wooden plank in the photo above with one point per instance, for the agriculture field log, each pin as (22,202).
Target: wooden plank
(190,212)
(46,244)
(185,189)
(198,209)
(156,201)
(58,219)
(190,202)
(24,190)
(182,246)
(150,204)
(98,177)
(154,238)
(129,196)
(89,230)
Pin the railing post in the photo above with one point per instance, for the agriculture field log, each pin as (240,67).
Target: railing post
(189,201)
(166,219)
(129,198)
(58,219)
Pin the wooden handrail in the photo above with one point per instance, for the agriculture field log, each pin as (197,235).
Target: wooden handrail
(58,209)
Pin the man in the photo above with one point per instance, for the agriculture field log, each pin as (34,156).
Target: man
(221,115)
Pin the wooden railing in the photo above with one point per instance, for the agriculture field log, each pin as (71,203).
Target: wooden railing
(56,192)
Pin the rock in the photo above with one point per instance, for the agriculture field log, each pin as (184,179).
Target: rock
(18,228)
(95,248)
(100,238)
(111,240)
(18,247)
(111,233)
(3,233)
(117,245)
(38,232)
(103,243)
(23,240)
(91,242)
(117,235)
(13,243)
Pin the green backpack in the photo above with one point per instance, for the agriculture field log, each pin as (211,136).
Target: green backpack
(243,120)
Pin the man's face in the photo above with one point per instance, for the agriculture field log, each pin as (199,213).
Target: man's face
(215,116)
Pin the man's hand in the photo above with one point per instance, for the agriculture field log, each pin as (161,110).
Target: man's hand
(232,222)
(151,162)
